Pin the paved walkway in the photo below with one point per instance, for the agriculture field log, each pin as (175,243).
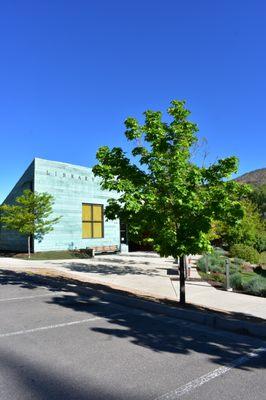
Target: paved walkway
(147,274)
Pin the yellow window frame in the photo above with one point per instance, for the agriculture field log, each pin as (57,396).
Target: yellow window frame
(92,221)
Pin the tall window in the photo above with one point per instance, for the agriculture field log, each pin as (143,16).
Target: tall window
(92,221)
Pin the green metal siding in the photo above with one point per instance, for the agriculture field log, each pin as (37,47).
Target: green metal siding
(72,185)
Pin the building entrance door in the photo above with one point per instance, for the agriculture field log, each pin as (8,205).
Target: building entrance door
(123,238)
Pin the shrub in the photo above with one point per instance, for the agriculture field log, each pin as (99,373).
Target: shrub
(234,269)
(84,253)
(219,251)
(217,277)
(238,261)
(204,276)
(262,260)
(215,262)
(217,268)
(256,286)
(248,253)
(260,243)
(201,263)
(236,281)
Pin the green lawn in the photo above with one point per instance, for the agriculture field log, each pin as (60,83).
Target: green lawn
(53,255)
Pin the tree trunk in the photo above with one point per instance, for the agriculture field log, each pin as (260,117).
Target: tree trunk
(182,298)
(28,246)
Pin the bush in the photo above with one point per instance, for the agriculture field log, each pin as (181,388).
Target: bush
(201,263)
(217,268)
(219,251)
(233,269)
(238,261)
(260,243)
(256,286)
(263,258)
(245,252)
(217,277)
(215,262)
(236,281)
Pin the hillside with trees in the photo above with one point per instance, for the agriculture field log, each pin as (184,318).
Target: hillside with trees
(255,178)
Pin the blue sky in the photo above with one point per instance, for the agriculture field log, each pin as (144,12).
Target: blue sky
(72,71)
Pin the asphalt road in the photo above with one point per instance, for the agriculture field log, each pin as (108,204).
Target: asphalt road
(55,344)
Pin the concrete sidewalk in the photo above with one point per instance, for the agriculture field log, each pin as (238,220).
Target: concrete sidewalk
(146,274)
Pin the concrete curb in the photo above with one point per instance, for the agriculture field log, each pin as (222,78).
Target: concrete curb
(204,316)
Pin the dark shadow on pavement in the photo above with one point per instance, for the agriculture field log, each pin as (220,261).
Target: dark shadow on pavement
(153,331)
(164,334)
(104,269)
(32,380)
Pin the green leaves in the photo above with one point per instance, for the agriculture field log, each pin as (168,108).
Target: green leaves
(164,197)
(242,225)
(224,168)
(133,129)
(29,215)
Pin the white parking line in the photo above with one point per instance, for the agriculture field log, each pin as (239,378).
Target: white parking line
(44,328)
(29,297)
(192,385)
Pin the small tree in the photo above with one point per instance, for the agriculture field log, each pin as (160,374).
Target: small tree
(164,194)
(29,215)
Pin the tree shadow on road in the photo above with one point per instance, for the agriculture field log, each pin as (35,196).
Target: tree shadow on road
(158,333)
(163,334)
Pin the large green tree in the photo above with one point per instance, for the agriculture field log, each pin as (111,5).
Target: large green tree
(29,215)
(163,194)
(251,230)
(258,197)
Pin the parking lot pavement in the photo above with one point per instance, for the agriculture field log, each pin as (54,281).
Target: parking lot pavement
(56,344)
